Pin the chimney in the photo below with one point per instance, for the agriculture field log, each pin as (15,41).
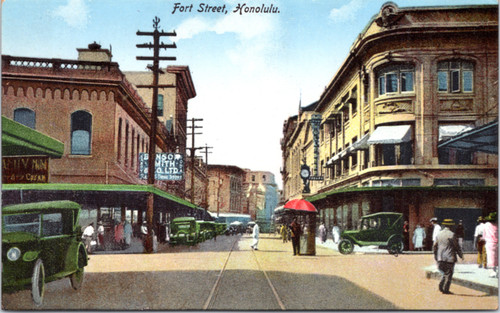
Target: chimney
(94,53)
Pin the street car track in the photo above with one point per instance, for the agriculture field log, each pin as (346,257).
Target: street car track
(213,293)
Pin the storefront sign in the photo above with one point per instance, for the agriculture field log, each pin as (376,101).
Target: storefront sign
(25,170)
(315,125)
(168,166)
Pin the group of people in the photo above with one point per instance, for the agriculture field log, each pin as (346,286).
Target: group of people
(121,237)
(292,233)
(446,247)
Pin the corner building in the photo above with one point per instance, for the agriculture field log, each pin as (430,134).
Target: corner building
(413,78)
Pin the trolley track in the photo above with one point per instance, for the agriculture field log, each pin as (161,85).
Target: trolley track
(215,291)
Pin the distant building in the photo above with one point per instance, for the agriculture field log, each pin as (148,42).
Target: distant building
(414,78)
(261,197)
(225,189)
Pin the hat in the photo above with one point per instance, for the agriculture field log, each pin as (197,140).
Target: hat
(100,222)
(492,217)
(480,219)
(448,222)
(434,219)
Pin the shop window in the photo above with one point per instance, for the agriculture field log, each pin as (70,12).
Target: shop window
(455,156)
(455,77)
(396,79)
(81,132)
(26,117)
(395,154)
(458,182)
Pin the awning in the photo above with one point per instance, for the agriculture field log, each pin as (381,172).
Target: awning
(18,140)
(361,144)
(448,131)
(395,134)
(483,139)
(336,157)
(104,195)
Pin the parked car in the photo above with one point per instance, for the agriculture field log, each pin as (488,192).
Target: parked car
(41,242)
(184,230)
(383,229)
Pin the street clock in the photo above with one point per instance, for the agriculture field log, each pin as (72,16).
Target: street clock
(305,172)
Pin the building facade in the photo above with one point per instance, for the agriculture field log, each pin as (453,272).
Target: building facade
(91,107)
(261,197)
(225,189)
(413,78)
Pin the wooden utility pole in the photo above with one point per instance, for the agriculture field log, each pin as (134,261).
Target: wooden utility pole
(155,68)
(193,149)
(206,173)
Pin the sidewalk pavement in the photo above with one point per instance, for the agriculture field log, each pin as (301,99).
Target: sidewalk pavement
(467,275)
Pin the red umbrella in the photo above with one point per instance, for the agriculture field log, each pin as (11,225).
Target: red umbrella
(300,205)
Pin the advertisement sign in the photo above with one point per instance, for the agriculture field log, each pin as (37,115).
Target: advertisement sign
(25,170)
(315,126)
(168,166)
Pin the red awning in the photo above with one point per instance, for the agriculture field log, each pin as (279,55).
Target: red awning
(300,205)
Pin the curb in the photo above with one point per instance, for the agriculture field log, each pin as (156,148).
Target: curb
(490,290)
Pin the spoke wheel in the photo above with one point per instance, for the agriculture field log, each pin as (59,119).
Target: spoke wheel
(346,246)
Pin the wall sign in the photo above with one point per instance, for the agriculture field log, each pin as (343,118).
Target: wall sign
(25,170)
(168,166)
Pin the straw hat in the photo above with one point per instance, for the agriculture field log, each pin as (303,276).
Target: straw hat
(492,217)
(448,222)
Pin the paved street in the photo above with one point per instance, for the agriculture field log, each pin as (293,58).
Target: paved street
(228,275)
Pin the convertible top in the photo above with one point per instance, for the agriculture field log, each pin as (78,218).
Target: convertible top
(41,206)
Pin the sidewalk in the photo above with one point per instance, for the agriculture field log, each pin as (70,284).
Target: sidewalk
(467,275)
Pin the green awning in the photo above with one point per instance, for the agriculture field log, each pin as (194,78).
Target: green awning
(18,140)
(341,191)
(104,194)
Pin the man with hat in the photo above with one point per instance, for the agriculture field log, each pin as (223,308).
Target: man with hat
(445,250)
(436,229)
(479,242)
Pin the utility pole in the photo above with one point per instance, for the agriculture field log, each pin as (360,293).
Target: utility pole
(155,68)
(193,149)
(206,172)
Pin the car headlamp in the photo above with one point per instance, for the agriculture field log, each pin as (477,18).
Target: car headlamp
(13,254)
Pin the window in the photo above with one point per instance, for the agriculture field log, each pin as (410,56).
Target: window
(52,224)
(160,105)
(455,76)
(81,131)
(119,141)
(126,145)
(26,117)
(395,154)
(458,182)
(396,79)
(450,155)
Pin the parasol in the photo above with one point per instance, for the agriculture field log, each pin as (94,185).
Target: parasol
(300,205)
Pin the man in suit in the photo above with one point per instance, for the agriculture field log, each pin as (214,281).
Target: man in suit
(445,250)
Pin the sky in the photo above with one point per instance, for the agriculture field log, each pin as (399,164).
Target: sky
(250,70)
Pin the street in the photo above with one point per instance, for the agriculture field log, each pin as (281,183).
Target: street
(228,275)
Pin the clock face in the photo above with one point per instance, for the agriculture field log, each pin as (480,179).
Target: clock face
(304,173)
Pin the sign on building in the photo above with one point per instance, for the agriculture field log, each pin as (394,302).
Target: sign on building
(315,126)
(25,170)
(168,166)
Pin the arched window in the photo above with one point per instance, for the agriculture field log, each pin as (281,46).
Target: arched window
(81,133)
(26,117)
(119,141)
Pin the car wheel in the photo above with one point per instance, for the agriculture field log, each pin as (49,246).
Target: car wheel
(346,246)
(38,282)
(395,246)
(76,278)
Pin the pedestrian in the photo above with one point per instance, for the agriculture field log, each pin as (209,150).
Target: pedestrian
(336,234)
(144,229)
(406,235)
(119,235)
(479,243)
(100,235)
(127,233)
(255,236)
(284,233)
(296,231)
(445,250)
(435,230)
(490,234)
(87,235)
(460,232)
(322,233)
(418,238)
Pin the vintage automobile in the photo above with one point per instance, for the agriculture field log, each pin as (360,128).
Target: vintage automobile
(207,229)
(41,242)
(383,229)
(221,228)
(184,230)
